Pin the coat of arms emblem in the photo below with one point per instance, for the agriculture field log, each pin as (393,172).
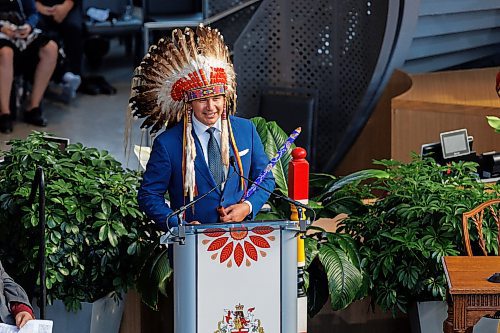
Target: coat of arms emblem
(239,321)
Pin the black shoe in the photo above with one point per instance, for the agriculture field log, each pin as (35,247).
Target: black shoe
(5,123)
(35,117)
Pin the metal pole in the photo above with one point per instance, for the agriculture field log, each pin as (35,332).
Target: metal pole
(39,184)
(298,189)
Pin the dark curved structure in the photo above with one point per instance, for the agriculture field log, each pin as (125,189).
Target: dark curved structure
(339,48)
(346,50)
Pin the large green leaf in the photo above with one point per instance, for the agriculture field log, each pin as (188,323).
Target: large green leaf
(346,244)
(344,279)
(261,127)
(317,291)
(311,248)
(494,122)
(161,272)
(355,177)
(320,180)
(273,138)
(154,277)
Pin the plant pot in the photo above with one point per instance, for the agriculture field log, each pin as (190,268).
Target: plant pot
(428,316)
(101,316)
(487,325)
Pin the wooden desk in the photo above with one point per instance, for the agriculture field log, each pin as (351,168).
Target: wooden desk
(472,296)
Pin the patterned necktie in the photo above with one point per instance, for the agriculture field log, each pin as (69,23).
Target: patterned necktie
(215,157)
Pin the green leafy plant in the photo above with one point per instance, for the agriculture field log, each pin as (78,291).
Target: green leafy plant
(95,233)
(333,270)
(155,275)
(494,122)
(414,221)
(273,137)
(333,266)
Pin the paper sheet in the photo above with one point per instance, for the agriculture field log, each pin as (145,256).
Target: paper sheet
(32,326)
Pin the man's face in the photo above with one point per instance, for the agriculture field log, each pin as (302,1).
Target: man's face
(208,110)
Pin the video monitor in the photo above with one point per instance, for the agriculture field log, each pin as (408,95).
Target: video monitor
(435,150)
(454,143)
(62,142)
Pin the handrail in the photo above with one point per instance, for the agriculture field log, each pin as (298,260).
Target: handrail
(227,12)
(39,183)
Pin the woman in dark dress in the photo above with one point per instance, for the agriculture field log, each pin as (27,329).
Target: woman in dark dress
(23,45)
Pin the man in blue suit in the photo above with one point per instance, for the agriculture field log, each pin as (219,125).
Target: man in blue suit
(194,85)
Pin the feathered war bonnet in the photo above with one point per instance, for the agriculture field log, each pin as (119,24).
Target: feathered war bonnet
(176,72)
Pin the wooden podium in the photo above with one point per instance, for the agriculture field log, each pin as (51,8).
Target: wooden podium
(236,278)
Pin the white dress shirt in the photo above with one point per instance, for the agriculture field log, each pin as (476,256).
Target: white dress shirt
(200,130)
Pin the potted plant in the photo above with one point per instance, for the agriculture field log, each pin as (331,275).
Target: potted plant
(333,267)
(95,232)
(494,122)
(414,221)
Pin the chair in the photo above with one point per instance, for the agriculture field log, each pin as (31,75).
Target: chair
(488,211)
(125,21)
(165,10)
(291,108)
(169,14)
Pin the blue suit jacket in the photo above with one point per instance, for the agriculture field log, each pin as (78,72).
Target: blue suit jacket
(164,173)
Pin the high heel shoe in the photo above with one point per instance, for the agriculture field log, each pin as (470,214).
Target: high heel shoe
(35,117)
(5,123)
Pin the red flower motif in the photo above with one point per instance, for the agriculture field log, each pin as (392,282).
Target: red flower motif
(260,241)
(251,251)
(216,232)
(226,252)
(238,254)
(240,243)
(217,243)
(262,230)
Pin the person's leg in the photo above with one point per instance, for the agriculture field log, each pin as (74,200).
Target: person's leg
(71,31)
(6,79)
(43,72)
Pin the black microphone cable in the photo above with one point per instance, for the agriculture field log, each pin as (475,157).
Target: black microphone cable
(180,232)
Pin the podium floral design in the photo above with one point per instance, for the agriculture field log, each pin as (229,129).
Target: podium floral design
(238,321)
(239,244)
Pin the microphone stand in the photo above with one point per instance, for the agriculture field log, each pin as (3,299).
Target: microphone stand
(181,228)
(299,205)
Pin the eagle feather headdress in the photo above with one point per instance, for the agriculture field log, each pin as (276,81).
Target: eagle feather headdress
(176,72)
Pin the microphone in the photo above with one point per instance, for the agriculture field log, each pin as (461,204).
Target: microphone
(300,205)
(181,234)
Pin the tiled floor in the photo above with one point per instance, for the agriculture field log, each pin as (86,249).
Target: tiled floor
(95,121)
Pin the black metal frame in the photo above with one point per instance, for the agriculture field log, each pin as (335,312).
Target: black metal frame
(39,184)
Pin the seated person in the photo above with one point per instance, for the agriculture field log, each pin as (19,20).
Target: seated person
(22,43)
(62,20)
(15,308)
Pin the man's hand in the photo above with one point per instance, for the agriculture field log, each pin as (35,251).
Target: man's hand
(193,223)
(62,10)
(44,10)
(22,318)
(9,30)
(235,213)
